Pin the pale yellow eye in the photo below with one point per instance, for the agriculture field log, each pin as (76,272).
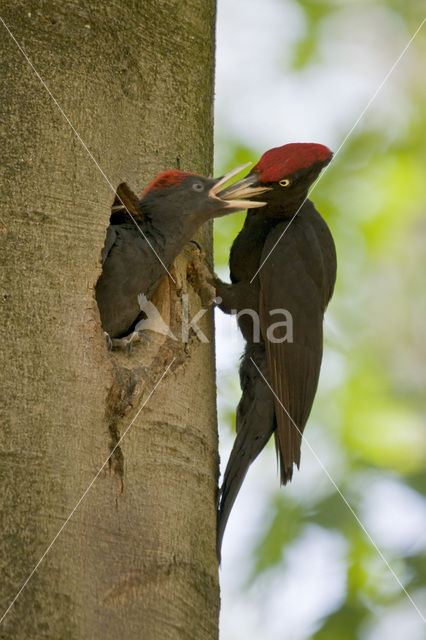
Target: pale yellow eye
(284,182)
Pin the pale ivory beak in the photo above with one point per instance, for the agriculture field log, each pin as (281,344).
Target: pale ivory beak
(239,190)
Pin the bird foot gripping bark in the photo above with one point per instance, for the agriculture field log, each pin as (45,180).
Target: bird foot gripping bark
(126,343)
(200,275)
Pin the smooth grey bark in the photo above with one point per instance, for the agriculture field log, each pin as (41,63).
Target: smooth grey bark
(137,558)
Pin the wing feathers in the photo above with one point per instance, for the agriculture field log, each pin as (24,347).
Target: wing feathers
(286,282)
(125,202)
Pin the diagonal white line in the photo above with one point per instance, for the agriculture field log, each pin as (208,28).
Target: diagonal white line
(80,500)
(344,499)
(83,144)
(345,139)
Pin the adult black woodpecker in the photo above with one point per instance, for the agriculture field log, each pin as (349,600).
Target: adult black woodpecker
(284,258)
(145,236)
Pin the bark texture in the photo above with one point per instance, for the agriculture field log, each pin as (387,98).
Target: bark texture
(137,558)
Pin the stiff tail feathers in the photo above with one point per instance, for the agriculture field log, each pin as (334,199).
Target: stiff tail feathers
(236,469)
(255,425)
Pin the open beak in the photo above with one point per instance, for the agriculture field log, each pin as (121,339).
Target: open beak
(235,194)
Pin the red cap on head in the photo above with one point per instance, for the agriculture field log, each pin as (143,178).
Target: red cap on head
(169,178)
(283,161)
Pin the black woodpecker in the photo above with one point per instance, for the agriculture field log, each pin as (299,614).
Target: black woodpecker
(146,235)
(284,258)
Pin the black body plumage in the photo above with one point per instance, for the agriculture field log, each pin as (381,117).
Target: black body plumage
(278,376)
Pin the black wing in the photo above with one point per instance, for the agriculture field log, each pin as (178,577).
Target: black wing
(125,201)
(296,283)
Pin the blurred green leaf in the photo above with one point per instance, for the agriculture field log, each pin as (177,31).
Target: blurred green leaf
(343,624)
(286,524)
(373,197)
(306,49)
(377,426)
(332,513)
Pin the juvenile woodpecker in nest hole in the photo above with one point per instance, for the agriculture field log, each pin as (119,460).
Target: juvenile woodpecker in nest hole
(146,235)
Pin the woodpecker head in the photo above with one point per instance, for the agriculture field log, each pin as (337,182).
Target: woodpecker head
(287,172)
(191,197)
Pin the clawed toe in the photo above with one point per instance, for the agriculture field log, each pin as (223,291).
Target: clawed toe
(126,343)
(108,341)
(196,245)
(201,277)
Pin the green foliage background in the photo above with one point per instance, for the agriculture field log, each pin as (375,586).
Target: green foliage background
(372,414)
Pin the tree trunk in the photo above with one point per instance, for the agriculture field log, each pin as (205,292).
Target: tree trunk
(137,557)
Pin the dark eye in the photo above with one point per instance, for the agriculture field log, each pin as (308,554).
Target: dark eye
(197,186)
(284,183)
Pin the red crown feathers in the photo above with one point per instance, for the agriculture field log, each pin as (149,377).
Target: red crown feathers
(169,178)
(283,161)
